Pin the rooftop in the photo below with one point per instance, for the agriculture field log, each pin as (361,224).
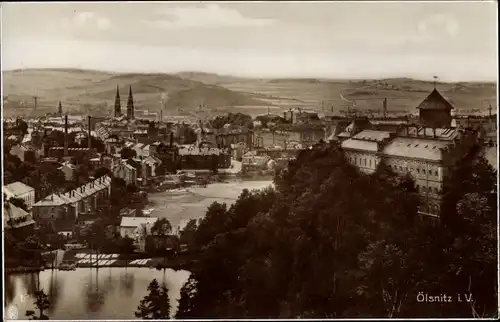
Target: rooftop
(448,134)
(372,135)
(356,144)
(137,221)
(76,194)
(15,217)
(18,188)
(435,101)
(419,148)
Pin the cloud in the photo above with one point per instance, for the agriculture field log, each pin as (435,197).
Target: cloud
(86,19)
(210,16)
(438,25)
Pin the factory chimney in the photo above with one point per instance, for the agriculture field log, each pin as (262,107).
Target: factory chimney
(384,108)
(90,133)
(66,135)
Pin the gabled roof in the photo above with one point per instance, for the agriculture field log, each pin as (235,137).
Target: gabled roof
(51,200)
(15,217)
(435,101)
(18,188)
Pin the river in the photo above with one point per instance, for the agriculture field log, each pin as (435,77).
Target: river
(115,293)
(179,208)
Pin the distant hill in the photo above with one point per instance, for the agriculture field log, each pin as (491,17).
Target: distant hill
(213,79)
(84,90)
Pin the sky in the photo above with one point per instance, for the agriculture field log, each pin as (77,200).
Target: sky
(456,41)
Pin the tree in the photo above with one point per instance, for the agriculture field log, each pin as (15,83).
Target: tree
(42,303)
(188,292)
(161,227)
(160,230)
(330,241)
(155,305)
(18,202)
(188,233)
(127,153)
(126,245)
(22,126)
(101,172)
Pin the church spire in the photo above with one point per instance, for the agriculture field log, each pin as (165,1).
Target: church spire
(118,107)
(59,108)
(130,104)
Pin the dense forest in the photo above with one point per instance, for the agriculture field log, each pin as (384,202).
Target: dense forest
(330,242)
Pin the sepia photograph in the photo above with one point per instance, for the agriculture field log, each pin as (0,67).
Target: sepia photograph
(249,160)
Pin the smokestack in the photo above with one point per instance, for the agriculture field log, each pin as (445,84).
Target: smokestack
(171,139)
(66,135)
(384,108)
(90,129)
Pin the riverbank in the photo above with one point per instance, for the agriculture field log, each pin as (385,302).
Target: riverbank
(23,270)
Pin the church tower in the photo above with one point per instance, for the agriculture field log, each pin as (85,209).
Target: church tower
(130,105)
(118,107)
(59,108)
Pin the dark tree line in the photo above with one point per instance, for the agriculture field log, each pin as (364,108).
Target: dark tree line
(238,119)
(330,242)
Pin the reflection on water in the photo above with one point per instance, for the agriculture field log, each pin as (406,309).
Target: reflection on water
(106,293)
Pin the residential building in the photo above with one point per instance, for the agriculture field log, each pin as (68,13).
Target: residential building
(203,158)
(61,211)
(22,191)
(129,225)
(283,135)
(226,137)
(137,228)
(17,221)
(125,171)
(299,115)
(253,162)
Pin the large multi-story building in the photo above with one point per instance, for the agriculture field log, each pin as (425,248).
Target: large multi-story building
(304,134)
(425,153)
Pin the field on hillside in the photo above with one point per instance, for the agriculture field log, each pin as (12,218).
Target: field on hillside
(403,95)
(85,91)
(82,91)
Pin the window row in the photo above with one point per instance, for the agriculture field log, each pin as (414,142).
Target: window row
(363,162)
(417,170)
(427,189)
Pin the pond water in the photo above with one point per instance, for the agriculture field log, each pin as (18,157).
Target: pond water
(115,293)
(106,293)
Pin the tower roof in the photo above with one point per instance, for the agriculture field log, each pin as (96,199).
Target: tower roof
(435,101)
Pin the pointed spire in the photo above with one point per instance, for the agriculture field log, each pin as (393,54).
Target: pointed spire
(59,108)
(130,104)
(118,107)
